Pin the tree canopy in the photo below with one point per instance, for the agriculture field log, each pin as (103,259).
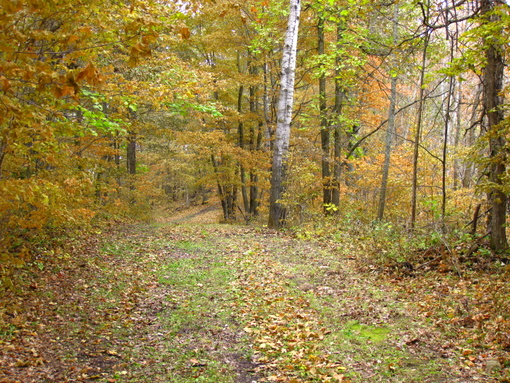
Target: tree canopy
(112,109)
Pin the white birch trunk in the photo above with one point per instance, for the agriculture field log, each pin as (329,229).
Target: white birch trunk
(277,210)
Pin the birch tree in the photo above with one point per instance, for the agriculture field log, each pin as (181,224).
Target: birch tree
(277,209)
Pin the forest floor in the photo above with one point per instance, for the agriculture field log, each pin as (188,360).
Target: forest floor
(186,299)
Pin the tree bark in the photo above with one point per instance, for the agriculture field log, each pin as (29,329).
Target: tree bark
(131,153)
(255,145)
(277,209)
(337,135)
(470,169)
(456,141)
(227,192)
(268,122)
(240,130)
(417,135)
(3,151)
(493,102)
(131,162)
(452,37)
(390,129)
(324,126)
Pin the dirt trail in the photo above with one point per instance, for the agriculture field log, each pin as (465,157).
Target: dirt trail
(198,214)
(188,300)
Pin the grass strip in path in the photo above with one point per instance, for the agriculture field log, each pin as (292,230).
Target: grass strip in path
(311,313)
(195,336)
(284,328)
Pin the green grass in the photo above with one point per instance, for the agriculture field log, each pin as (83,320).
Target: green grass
(188,245)
(362,332)
(366,323)
(198,339)
(192,274)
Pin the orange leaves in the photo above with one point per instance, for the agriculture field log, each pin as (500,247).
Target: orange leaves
(6,84)
(70,83)
(146,29)
(138,51)
(89,74)
(142,48)
(284,330)
(35,202)
(185,32)
(12,6)
(52,53)
(62,91)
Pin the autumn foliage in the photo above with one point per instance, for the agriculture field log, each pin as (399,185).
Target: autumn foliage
(114,113)
(397,169)
(76,88)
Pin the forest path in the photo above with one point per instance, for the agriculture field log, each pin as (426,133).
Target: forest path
(196,214)
(181,301)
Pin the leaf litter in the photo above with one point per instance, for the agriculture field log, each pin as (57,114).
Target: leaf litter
(181,302)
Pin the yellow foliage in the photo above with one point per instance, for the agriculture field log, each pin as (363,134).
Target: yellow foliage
(36,203)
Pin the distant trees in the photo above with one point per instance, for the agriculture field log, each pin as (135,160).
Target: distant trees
(78,87)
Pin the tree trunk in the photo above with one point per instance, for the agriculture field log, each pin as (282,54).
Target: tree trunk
(277,209)
(452,37)
(469,172)
(131,162)
(417,135)
(324,125)
(456,141)
(337,136)
(493,102)
(268,122)
(3,151)
(131,153)
(444,159)
(116,149)
(390,129)
(240,130)
(390,132)
(255,145)
(254,194)
(227,193)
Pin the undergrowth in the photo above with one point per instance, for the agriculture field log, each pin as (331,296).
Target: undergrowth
(383,245)
(462,285)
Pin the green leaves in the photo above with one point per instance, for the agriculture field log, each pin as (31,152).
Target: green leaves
(96,123)
(184,107)
(94,119)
